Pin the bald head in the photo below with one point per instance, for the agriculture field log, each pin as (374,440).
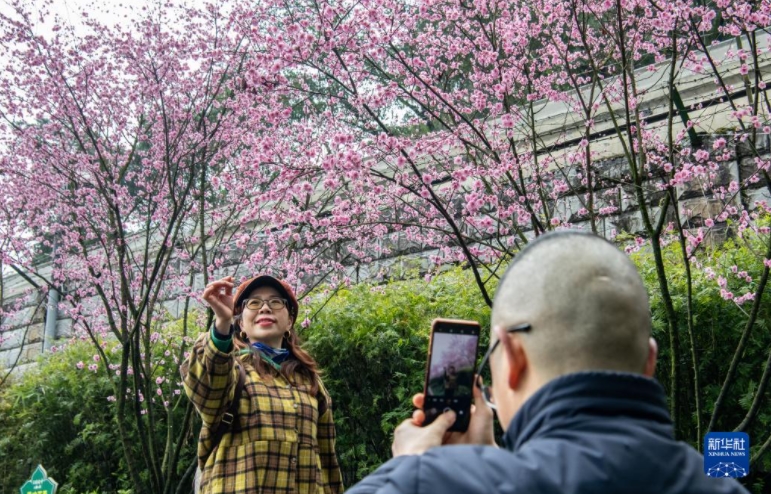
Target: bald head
(585,301)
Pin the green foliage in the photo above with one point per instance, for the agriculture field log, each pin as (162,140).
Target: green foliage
(59,416)
(62,414)
(371,342)
(718,325)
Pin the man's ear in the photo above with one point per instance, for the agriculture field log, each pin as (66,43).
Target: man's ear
(653,353)
(514,353)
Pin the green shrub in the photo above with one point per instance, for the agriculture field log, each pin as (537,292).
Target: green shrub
(58,415)
(718,325)
(61,414)
(371,342)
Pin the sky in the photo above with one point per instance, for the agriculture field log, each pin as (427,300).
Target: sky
(71,11)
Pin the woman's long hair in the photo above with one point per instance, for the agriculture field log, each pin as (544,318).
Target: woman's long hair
(302,363)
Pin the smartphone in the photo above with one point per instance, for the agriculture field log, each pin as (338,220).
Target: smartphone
(452,361)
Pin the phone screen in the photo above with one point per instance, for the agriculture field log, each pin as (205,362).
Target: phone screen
(451,368)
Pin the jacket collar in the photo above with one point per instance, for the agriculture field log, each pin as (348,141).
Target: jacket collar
(583,395)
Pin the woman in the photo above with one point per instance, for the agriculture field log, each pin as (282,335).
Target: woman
(450,381)
(282,436)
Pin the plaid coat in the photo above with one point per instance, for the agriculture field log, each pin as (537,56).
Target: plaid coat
(279,443)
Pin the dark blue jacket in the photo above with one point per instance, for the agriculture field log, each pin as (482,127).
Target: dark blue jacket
(587,433)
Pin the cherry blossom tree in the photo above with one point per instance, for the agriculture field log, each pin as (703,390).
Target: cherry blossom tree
(441,128)
(121,158)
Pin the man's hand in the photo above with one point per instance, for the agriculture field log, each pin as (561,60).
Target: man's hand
(412,439)
(480,429)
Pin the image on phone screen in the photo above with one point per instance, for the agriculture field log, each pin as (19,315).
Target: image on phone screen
(451,369)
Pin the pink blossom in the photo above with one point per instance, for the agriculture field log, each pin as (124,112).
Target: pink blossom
(701,155)
(80,365)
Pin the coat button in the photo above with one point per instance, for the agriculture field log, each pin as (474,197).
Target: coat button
(293,461)
(295,405)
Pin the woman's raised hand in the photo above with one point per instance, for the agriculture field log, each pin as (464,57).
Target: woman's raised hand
(219,295)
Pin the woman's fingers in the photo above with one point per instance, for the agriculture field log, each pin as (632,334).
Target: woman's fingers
(220,287)
(208,292)
(218,294)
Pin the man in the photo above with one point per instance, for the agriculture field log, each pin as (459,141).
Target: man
(572,361)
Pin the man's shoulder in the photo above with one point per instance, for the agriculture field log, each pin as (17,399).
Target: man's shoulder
(545,466)
(468,469)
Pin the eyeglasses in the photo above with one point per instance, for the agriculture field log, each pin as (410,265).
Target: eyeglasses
(487,391)
(257,303)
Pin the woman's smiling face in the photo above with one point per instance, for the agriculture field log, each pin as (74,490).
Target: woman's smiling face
(265,325)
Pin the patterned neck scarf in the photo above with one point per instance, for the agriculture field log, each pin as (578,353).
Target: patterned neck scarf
(275,355)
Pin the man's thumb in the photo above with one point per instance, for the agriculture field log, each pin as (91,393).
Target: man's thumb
(444,421)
